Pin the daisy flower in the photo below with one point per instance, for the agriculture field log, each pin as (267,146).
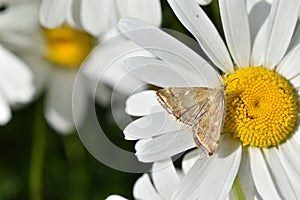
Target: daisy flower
(259,146)
(159,184)
(57,54)
(16,82)
(96,16)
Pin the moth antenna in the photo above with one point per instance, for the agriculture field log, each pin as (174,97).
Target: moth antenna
(225,85)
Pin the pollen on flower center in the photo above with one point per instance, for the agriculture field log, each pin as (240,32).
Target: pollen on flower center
(67,47)
(261,107)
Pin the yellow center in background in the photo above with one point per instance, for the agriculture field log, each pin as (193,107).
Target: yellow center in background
(67,47)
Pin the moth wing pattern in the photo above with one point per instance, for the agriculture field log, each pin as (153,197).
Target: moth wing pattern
(183,103)
(202,109)
(207,131)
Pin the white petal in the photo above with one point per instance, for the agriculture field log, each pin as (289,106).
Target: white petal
(213,178)
(53,12)
(143,103)
(59,112)
(162,74)
(165,146)
(258,16)
(16,81)
(115,197)
(259,46)
(282,22)
(196,21)
(20,19)
(203,2)
(5,113)
(289,67)
(41,69)
(251,4)
(288,154)
(165,178)
(261,175)
(106,64)
(245,175)
(279,173)
(296,37)
(190,159)
(149,11)
(295,82)
(143,189)
(95,15)
(151,126)
(171,50)
(236,28)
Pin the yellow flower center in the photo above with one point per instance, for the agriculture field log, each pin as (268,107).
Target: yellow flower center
(67,47)
(261,107)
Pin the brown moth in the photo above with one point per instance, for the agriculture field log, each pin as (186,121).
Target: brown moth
(201,109)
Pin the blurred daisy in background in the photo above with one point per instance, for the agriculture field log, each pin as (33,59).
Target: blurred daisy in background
(97,17)
(259,147)
(62,45)
(16,82)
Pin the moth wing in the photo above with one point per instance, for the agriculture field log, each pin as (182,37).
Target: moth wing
(186,104)
(207,131)
(203,109)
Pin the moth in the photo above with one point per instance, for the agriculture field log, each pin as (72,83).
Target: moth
(201,109)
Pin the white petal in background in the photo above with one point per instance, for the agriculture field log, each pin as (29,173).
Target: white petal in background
(149,11)
(213,177)
(95,15)
(5,113)
(281,25)
(53,12)
(40,69)
(106,64)
(170,51)
(22,18)
(236,28)
(195,20)
(16,81)
(59,101)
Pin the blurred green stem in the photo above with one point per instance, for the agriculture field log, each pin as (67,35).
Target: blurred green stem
(238,190)
(37,154)
(77,172)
